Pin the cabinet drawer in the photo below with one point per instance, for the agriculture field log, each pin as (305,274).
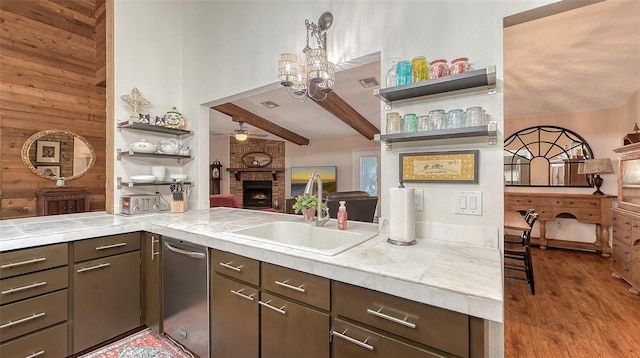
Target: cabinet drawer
(29,315)
(20,287)
(304,287)
(544,201)
(436,327)
(236,266)
(621,266)
(622,235)
(18,262)
(351,341)
(582,203)
(292,330)
(544,212)
(47,343)
(622,250)
(589,215)
(105,246)
(622,221)
(235,319)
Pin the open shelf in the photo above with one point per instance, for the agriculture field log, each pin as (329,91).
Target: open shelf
(488,130)
(120,183)
(155,129)
(151,155)
(475,80)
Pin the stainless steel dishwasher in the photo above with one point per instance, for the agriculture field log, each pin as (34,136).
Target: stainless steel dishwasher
(185,298)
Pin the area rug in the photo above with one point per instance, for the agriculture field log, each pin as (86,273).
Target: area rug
(144,344)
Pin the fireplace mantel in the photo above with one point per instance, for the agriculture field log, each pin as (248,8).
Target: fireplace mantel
(237,171)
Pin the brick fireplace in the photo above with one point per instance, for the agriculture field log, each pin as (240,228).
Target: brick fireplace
(273,173)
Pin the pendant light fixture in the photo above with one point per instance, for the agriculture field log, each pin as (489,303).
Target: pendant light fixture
(240,134)
(316,77)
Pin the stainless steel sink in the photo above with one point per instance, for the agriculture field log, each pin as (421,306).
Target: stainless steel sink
(305,237)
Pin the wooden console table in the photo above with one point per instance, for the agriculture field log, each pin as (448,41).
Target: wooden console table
(586,208)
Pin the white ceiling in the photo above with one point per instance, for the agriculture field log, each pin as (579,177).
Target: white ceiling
(580,60)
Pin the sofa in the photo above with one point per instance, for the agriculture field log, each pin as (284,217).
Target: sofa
(360,205)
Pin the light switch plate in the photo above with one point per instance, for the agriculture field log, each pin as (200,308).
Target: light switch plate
(468,203)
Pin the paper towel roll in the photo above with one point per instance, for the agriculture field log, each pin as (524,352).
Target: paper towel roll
(402,217)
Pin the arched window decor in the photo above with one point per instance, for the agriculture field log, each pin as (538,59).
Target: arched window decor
(546,156)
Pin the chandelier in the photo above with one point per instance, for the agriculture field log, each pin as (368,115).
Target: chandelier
(316,78)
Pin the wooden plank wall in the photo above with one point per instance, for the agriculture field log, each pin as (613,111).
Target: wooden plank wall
(51,77)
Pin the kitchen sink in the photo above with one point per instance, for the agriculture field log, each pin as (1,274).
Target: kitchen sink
(305,236)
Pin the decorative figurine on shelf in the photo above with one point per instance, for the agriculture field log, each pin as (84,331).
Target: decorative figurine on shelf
(144,118)
(174,119)
(135,100)
(159,121)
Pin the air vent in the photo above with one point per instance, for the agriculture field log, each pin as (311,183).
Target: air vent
(369,82)
(270,104)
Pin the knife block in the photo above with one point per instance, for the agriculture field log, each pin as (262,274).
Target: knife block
(178,206)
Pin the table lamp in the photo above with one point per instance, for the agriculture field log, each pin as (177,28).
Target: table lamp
(597,167)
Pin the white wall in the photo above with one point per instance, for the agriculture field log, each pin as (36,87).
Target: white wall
(229,47)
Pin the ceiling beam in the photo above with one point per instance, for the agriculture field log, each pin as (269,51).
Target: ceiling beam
(337,106)
(240,114)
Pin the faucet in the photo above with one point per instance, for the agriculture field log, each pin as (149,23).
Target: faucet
(308,190)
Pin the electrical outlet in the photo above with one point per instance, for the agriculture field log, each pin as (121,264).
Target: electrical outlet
(419,200)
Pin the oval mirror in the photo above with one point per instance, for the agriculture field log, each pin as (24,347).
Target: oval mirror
(256,159)
(58,154)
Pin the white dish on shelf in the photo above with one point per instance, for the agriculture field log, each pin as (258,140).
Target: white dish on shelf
(143,178)
(179,177)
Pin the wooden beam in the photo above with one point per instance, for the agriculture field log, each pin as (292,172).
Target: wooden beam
(240,114)
(337,106)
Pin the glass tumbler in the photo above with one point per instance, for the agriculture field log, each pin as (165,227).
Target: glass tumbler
(456,119)
(390,78)
(410,123)
(424,124)
(419,69)
(475,116)
(438,119)
(438,69)
(394,124)
(403,73)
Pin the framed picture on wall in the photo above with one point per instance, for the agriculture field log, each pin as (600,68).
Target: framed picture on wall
(300,176)
(47,151)
(440,167)
(49,170)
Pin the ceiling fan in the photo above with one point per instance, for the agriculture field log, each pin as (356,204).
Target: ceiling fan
(242,134)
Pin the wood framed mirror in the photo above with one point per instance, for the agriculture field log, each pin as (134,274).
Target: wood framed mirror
(56,154)
(256,159)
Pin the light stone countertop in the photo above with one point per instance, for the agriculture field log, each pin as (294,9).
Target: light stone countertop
(459,277)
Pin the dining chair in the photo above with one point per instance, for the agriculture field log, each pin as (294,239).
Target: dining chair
(513,238)
(517,257)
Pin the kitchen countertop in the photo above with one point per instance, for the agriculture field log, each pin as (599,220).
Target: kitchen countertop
(459,277)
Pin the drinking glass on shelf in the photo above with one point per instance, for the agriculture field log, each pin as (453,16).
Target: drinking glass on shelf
(390,78)
(403,73)
(424,124)
(410,123)
(394,124)
(475,116)
(419,69)
(456,119)
(437,118)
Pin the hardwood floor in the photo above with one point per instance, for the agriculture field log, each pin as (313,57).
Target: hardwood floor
(579,310)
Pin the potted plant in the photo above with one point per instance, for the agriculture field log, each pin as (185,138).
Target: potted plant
(307,204)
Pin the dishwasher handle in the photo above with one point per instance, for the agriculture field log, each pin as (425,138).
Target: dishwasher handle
(192,254)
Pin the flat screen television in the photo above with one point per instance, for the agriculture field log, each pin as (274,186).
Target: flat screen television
(300,176)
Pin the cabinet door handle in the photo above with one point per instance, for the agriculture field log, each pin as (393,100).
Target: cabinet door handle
(33,285)
(228,265)
(239,293)
(295,288)
(21,320)
(279,310)
(85,269)
(344,336)
(35,354)
(113,246)
(153,248)
(20,263)
(403,322)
